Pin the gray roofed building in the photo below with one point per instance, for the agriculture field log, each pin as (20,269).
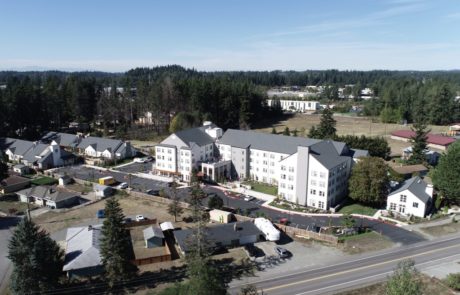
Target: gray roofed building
(325,152)
(227,234)
(356,153)
(37,152)
(63,139)
(82,253)
(153,237)
(17,147)
(415,185)
(50,196)
(197,135)
(100,144)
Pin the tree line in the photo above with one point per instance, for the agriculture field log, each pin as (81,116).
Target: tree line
(34,102)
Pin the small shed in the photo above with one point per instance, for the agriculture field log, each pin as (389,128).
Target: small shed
(153,237)
(65,179)
(21,169)
(13,183)
(102,191)
(167,225)
(220,216)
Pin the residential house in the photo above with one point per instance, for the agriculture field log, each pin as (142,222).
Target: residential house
(185,150)
(20,169)
(105,148)
(153,237)
(221,235)
(413,197)
(435,141)
(50,196)
(432,157)
(15,149)
(13,183)
(82,252)
(66,141)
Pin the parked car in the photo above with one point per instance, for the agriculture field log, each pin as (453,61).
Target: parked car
(140,218)
(149,159)
(153,192)
(122,185)
(248,198)
(100,213)
(138,160)
(282,253)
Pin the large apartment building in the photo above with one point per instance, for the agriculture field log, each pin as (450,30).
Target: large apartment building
(307,171)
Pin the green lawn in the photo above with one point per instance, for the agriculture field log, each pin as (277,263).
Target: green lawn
(263,188)
(356,208)
(44,180)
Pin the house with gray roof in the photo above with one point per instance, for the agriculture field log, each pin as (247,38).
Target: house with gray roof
(413,197)
(50,196)
(14,148)
(105,148)
(65,140)
(153,237)
(82,251)
(221,235)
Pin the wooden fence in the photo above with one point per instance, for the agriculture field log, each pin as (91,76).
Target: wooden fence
(155,259)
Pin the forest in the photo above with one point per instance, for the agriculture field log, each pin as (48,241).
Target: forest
(34,102)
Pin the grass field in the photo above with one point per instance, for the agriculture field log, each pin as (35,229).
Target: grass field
(370,241)
(349,125)
(44,180)
(355,208)
(263,188)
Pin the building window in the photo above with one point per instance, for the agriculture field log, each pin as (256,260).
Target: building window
(321,193)
(415,205)
(403,199)
(314,173)
(283,168)
(313,191)
(272,156)
(291,187)
(264,170)
(322,184)
(322,175)
(321,204)
(291,178)
(282,185)
(291,169)
(313,182)
(283,176)
(392,206)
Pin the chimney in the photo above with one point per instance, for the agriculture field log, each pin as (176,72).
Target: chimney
(429,190)
(90,227)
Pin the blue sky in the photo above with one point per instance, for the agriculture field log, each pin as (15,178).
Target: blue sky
(231,35)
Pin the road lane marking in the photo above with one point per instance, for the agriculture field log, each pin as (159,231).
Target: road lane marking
(385,273)
(358,268)
(416,246)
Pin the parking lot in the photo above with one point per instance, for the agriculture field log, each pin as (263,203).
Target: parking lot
(136,167)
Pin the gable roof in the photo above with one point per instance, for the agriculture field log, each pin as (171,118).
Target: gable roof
(13,179)
(197,135)
(151,232)
(63,139)
(326,153)
(100,144)
(51,193)
(415,185)
(17,146)
(431,138)
(82,247)
(218,233)
(36,152)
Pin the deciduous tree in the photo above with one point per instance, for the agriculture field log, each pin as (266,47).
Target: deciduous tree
(404,280)
(369,182)
(447,173)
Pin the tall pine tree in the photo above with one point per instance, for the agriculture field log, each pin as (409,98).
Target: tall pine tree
(419,144)
(37,260)
(116,249)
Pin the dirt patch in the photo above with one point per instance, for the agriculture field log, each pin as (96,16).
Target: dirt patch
(442,230)
(429,286)
(53,221)
(347,125)
(367,242)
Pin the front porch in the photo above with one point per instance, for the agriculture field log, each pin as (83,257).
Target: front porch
(216,171)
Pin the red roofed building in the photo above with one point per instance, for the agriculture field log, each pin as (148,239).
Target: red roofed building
(436,141)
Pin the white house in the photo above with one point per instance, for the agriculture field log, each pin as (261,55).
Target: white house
(413,197)
(106,148)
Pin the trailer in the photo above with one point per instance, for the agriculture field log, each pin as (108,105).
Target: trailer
(267,228)
(108,180)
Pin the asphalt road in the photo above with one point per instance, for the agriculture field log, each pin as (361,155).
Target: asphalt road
(356,272)
(394,233)
(136,167)
(6,227)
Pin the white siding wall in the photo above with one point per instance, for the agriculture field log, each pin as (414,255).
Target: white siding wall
(166,158)
(406,203)
(317,187)
(265,165)
(287,178)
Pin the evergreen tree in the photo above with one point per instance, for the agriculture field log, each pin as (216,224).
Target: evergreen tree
(116,249)
(404,280)
(294,133)
(419,144)
(286,131)
(326,128)
(37,260)
(369,181)
(215,202)
(3,170)
(447,173)
(273,130)
(313,133)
